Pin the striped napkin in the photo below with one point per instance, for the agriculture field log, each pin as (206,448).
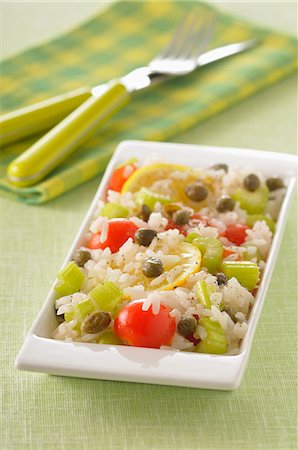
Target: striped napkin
(123,37)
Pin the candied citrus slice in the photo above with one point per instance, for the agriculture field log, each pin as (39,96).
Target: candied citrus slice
(189,262)
(149,176)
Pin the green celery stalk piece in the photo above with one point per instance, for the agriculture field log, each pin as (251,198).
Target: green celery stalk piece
(216,341)
(211,250)
(252,202)
(107,297)
(109,337)
(114,211)
(80,310)
(204,291)
(149,198)
(253,218)
(246,272)
(70,280)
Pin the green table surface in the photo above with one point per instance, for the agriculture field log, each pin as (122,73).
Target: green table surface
(48,412)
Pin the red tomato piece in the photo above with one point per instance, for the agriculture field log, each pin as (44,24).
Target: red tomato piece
(119,231)
(197,219)
(236,233)
(227,252)
(94,241)
(143,328)
(171,226)
(192,339)
(120,175)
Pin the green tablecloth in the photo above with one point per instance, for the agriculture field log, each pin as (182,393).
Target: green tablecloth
(42,412)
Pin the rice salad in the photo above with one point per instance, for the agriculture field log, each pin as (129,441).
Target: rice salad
(173,258)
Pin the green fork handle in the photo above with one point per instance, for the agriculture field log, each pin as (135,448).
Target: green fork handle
(32,119)
(54,147)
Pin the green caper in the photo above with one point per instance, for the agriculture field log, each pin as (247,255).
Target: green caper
(181,217)
(144,236)
(82,257)
(220,167)
(224,204)
(274,183)
(251,182)
(222,279)
(60,318)
(95,322)
(187,326)
(152,267)
(196,192)
(144,213)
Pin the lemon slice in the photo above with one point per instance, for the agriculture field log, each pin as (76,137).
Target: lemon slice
(189,262)
(149,176)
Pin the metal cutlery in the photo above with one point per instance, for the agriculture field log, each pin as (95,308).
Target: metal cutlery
(184,54)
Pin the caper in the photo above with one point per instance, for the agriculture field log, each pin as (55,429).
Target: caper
(144,213)
(196,192)
(152,267)
(222,279)
(181,217)
(95,322)
(251,182)
(144,236)
(60,318)
(220,167)
(224,204)
(274,183)
(82,257)
(187,326)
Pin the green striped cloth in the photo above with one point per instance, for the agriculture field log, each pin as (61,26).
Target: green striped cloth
(123,37)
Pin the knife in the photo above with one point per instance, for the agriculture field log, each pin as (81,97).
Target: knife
(88,108)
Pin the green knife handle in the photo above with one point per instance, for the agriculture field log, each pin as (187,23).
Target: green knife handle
(41,116)
(62,140)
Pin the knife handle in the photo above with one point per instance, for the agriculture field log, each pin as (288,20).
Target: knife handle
(41,116)
(47,153)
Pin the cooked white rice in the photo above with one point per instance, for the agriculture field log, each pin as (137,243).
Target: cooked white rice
(123,267)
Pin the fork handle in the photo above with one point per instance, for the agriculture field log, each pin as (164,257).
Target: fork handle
(41,116)
(54,147)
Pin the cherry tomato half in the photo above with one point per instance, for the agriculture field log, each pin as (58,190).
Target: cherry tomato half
(143,328)
(120,175)
(119,231)
(236,233)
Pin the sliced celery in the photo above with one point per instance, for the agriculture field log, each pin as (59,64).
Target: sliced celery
(114,211)
(149,198)
(211,250)
(246,272)
(80,310)
(71,279)
(109,337)
(204,291)
(107,296)
(216,341)
(252,202)
(253,218)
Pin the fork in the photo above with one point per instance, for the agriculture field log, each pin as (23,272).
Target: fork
(180,57)
(181,54)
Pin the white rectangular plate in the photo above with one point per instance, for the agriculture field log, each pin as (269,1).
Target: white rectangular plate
(40,353)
